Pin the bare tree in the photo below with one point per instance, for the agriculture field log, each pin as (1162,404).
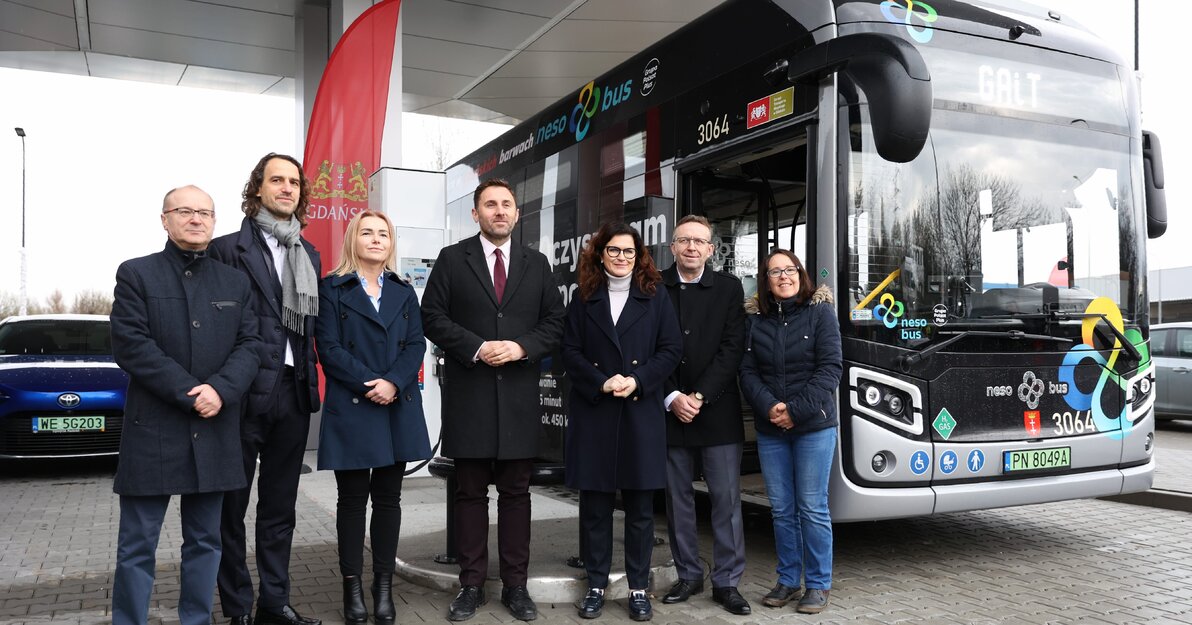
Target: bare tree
(56,303)
(92,303)
(10,306)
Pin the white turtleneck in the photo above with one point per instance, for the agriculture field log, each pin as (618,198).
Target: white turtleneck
(618,293)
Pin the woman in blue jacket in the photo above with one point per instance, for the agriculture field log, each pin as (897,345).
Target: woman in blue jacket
(620,343)
(789,376)
(370,343)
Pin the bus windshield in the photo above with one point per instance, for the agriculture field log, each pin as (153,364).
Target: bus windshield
(1006,214)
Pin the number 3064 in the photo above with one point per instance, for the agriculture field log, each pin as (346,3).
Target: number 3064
(1068,423)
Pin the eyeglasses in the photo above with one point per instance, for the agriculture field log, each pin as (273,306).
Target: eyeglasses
(614,252)
(685,241)
(778,271)
(187,213)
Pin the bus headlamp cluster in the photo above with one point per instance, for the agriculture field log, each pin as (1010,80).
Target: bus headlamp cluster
(889,401)
(1143,388)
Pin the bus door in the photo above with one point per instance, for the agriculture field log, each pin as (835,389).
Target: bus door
(755,202)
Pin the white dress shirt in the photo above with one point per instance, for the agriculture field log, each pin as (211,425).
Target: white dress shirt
(279,263)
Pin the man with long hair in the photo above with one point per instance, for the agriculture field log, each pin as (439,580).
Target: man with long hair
(284,271)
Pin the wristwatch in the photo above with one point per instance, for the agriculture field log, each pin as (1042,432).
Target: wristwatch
(699,396)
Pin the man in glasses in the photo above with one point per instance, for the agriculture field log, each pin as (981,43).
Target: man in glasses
(494,307)
(183,331)
(284,269)
(704,417)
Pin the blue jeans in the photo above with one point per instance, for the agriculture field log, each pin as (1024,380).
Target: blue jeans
(796,469)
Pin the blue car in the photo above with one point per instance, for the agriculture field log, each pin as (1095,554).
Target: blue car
(61,393)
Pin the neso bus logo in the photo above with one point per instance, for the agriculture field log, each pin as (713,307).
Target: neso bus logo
(579,120)
(913,10)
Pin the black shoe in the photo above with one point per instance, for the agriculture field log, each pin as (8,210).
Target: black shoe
(465,604)
(780,595)
(382,592)
(731,600)
(354,611)
(243,619)
(283,616)
(592,605)
(813,602)
(683,589)
(639,606)
(520,605)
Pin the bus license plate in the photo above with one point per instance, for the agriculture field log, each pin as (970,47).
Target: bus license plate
(1036,459)
(68,424)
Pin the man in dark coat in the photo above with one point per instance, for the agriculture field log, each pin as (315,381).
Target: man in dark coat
(704,417)
(496,310)
(283,269)
(183,332)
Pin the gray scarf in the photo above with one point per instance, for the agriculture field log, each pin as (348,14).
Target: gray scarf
(299,284)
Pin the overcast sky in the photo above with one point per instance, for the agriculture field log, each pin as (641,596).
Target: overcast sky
(100,154)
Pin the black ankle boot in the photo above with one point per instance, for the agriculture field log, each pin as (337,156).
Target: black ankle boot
(382,592)
(354,611)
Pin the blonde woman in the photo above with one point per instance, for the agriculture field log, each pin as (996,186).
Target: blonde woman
(369,339)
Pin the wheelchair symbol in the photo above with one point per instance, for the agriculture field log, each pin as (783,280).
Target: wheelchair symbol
(920,462)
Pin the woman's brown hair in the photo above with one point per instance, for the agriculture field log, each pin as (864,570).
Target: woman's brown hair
(765,298)
(591,270)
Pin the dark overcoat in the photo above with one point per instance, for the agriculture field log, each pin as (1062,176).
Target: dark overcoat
(614,442)
(246,250)
(712,317)
(793,356)
(491,412)
(180,319)
(356,343)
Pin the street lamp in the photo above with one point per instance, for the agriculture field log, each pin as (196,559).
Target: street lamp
(24,299)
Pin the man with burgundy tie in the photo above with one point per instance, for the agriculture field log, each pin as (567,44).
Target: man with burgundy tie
(495,309)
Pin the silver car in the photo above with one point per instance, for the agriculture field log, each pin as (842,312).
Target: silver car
(1171,347)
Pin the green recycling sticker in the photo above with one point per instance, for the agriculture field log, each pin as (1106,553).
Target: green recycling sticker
(944,423)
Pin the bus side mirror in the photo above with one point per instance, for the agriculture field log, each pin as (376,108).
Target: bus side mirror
(1152,180)
(894,78)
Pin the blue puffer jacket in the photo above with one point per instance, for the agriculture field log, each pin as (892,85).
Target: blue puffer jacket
(792,355)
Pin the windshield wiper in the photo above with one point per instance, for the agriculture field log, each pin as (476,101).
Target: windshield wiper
(1056,315)
(906,361)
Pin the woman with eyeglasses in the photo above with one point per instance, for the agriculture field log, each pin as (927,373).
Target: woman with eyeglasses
(789,376)
(620,343)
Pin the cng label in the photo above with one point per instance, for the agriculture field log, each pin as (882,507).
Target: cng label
(920,462)
(948,462)
(944,423)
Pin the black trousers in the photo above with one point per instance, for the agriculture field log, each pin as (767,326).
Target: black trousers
(596,522)
(278,439)
(383,485)
(512,477)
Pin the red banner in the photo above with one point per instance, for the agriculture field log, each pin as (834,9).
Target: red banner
(343,143)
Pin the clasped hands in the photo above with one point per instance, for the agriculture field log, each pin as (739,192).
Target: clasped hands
(620,385)
(686,407)
(497,353)
(383,391)
(780,416)
(207,401)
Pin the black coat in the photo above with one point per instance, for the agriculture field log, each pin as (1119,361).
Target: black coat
(246,250)
(793,356)
(491,412)
(712,316)
(180,320)
(614,442)
(356,344)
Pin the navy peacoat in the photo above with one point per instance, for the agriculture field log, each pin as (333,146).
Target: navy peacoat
(356,343)
(180,319)
(491,412)
(614,443)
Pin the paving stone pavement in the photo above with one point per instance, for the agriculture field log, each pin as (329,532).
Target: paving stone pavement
(1087,561)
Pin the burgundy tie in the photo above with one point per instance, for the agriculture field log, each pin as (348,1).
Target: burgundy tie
(499,276)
